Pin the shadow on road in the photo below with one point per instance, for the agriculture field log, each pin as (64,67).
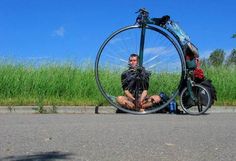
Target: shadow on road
(40,156)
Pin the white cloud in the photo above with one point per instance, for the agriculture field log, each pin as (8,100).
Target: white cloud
(60,32)
(153,50)
(158,50)
(120,40)
(207,53)
(38,58)
(228,52)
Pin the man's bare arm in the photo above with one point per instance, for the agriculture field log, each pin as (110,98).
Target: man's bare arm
(128,94)
(143,95)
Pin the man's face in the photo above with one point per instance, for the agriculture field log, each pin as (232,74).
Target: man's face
(133,61)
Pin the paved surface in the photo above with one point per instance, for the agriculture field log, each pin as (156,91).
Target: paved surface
(118,137)
(88,109)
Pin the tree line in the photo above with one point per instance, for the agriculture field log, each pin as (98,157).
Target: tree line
(218,58)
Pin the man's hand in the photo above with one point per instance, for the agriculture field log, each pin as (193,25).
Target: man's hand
(129,95)
(143,96)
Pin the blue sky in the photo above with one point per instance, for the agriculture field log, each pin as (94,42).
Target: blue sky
(73,29)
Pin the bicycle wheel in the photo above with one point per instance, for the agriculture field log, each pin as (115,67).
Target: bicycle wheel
(202,103)
(162,56)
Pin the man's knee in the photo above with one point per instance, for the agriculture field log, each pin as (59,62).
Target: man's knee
(120,99)
(158,98)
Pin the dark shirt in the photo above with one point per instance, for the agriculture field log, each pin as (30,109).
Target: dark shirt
(133,80)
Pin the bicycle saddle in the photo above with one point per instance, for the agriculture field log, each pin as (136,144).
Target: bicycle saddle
(161,21)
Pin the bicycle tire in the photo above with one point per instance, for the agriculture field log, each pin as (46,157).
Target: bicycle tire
(198,107)
(112,39)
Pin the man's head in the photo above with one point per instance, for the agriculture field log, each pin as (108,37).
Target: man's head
(133,60)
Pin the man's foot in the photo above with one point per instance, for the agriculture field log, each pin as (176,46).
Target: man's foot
(129,105)
(141,110)
(155,99)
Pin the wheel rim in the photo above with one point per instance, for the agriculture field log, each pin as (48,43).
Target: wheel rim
(162,56)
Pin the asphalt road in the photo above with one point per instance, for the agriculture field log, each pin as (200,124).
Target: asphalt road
(118,137)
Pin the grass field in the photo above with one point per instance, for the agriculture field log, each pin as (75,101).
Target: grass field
(67,84)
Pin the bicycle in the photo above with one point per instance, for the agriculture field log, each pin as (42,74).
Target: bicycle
(151,38)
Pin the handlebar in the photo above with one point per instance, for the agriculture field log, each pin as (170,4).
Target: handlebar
(142,11)
(143,18)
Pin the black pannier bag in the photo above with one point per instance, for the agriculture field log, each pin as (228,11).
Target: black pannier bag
(188,101)
(211,89)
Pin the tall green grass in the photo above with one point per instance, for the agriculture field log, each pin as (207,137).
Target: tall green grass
(64,84)
(224,80)
(68,84)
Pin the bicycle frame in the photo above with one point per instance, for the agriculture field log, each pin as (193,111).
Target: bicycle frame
(143,20)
